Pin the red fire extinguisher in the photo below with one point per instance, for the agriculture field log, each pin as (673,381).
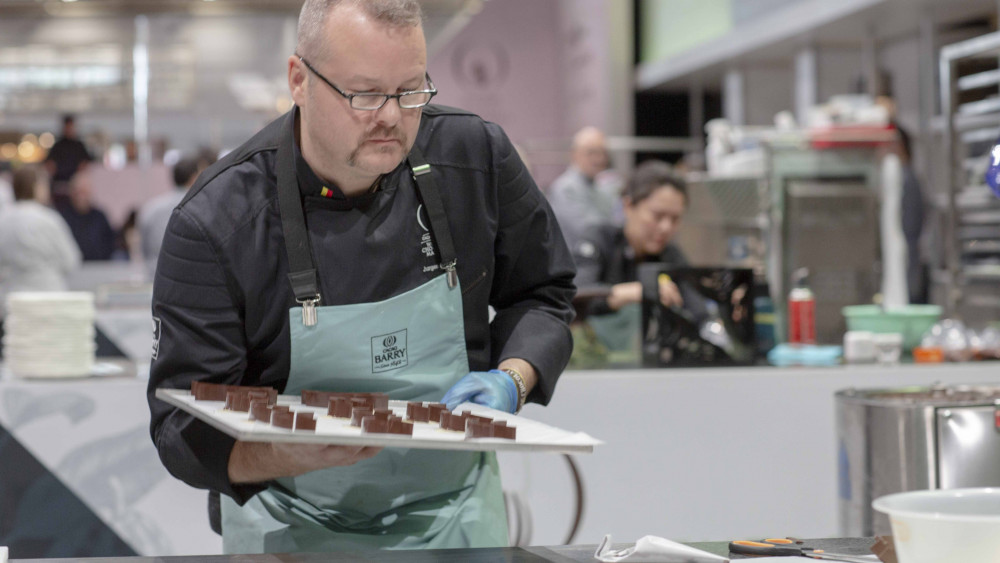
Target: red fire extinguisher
(801,310)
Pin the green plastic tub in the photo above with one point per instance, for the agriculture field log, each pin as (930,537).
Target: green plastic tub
(912,321)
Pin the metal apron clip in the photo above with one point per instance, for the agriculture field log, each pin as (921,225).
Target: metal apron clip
(452,273)
(309,317)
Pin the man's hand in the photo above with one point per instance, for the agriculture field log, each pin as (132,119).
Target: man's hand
(253,462)
(494,389)
(670,294)
(623,294)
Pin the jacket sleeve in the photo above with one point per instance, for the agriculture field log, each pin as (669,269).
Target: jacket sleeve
(198,335)
(533,277)
(591,256)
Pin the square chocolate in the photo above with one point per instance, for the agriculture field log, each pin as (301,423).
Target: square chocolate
(305,421)
(374,425)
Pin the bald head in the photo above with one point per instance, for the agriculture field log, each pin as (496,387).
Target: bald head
(312,20)
(589,152)
(81,189)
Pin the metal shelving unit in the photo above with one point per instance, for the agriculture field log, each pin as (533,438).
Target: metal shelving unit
(970,105)
(812,208)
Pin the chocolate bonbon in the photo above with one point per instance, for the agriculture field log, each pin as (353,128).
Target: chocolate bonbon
(417,412)
(494,429)
(260,410)
(203,391)
(358,413)
(236,401)
(282,419)
(371,424)
(305,421)
(315,398)
(340,407)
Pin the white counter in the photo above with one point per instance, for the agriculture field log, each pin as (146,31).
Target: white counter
(693,454)
(93,436)
(704,454)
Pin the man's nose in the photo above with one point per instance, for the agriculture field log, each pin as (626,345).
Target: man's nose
(390,112)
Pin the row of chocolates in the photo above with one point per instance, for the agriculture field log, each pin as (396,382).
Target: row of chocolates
(474,426)
(217,392)
(369,411)
(323,398)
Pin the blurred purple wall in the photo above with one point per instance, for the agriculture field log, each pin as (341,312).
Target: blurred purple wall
(535,67)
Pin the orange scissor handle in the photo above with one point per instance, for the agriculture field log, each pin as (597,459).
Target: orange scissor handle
(786,541)
(752,543)
(748,547)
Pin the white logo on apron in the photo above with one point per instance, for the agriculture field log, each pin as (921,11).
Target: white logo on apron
(389,351)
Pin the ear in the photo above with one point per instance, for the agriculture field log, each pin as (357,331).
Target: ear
(297,81)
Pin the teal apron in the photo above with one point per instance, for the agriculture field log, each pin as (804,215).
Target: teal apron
(411,346)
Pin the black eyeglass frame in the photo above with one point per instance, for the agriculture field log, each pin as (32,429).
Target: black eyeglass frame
(385,97)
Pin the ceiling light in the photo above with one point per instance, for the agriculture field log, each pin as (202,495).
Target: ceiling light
(46,140)
(8,151)
(26,150)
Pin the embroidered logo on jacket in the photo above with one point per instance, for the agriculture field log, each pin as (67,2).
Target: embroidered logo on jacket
(156,337)
(389,351)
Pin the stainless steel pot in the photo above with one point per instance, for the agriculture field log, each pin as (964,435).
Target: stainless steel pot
(894,440)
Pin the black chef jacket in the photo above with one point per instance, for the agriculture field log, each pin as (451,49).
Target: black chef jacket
(221,294)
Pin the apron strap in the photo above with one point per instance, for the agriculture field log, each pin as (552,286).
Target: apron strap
(302,271)
(429,193)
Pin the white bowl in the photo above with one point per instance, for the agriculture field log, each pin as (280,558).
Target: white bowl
(944,526)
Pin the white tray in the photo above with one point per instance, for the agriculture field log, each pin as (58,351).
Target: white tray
(532,436)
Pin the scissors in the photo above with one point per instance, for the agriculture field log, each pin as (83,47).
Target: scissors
(774,547)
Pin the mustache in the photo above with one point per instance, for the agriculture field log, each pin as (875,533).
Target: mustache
(384,133)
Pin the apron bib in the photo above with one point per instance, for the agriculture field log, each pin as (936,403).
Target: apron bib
(411,346)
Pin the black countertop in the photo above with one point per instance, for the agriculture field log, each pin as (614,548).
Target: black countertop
(552,554)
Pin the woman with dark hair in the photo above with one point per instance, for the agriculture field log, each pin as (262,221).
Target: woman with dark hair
(37,250)
(654,202)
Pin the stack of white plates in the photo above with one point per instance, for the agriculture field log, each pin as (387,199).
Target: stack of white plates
(49,334)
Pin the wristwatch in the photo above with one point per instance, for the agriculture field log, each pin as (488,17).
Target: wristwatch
(522,389)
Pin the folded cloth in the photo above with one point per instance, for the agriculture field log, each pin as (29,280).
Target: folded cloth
(653,549)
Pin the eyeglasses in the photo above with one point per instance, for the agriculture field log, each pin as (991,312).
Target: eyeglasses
(374,101)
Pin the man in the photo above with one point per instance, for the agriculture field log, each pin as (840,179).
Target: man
(576,196)
(89,224)
(155,214)
(66,157)
(912,210)
(655,201)
(291,261)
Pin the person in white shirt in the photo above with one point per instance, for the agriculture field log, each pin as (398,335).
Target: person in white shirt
(155,214)
(6,191)
(37,249)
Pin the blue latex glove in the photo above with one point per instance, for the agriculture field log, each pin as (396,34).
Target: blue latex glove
(494,389)
(993,173)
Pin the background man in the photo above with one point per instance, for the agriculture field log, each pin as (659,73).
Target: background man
(155,214)
(578,198)
(66,157)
